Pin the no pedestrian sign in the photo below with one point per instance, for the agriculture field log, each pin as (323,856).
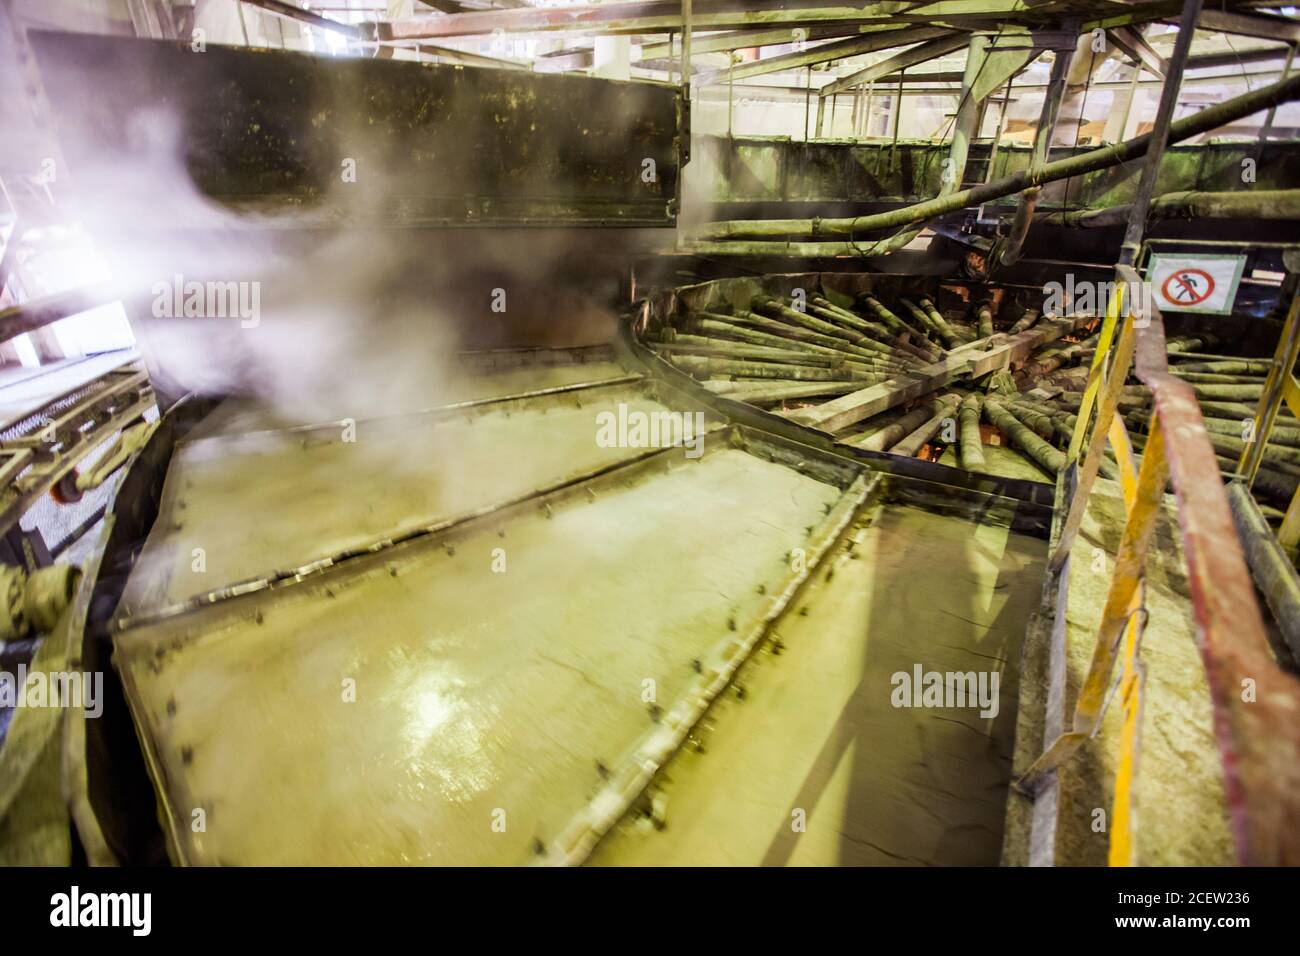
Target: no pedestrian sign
(1195,283)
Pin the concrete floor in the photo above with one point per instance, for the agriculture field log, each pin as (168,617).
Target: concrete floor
(816,731)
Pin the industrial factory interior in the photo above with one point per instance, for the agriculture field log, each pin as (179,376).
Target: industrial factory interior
(649,433)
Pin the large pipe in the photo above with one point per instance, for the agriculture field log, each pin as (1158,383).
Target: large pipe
(969,443)
(1105,157)
(1274,574)
(1283,204)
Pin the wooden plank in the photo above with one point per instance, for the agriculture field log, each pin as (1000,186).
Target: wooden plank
(842,412)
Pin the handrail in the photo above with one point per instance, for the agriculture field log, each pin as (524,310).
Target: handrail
(1256,705)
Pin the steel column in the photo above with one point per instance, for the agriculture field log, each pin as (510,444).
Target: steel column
(1159,136)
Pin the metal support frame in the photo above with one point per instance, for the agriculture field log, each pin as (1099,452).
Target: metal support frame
(1128,255)
(1254,701)
(807,104)
(1004,106)
(1009,251)
(731,89)
(686,52)
(71,426)
(1280,386)
(1267,127)
(1160,134)
(898,107)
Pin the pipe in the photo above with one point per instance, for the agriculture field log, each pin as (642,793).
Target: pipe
(686,51)
(969,443)
(1104,157)
(911,446)
(1272,204)
(1023,437)
(33,603)
(886,438)
(1274,574)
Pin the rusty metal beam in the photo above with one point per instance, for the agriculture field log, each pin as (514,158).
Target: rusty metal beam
(452,55)
(1138,49)
(723,42)
(730,40)
(1259,25)
(664,16)
(921,53)
(290,12)
(1209,61)
(1160,134)
(838,50)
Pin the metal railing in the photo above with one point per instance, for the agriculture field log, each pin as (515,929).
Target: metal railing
(1256,705)
(1280,386)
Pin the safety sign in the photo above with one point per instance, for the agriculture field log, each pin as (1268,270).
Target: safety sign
(1195,283)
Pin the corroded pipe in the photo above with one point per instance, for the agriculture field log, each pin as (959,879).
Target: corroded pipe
(1105,157)
(984,319)
(949,335)
(885,438)
(970,444)
(911,445)
(1271,204)
(1022,436)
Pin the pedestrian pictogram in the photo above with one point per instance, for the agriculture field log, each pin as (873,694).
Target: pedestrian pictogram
(1195,282)
(1188,287)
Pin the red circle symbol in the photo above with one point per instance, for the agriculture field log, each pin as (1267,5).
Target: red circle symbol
(1188,287)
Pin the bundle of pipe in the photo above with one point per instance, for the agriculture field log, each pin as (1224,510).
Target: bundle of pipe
(891,331)
(1025,322)
(780,351)
(823,316)
(1228,404)
(925,311)
(1026,425)
(886,438)
(1050,358)
(911,444)
(1044,454)
(749,326)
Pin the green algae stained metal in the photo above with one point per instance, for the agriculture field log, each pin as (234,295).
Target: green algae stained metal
(271,131)
(773,169)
